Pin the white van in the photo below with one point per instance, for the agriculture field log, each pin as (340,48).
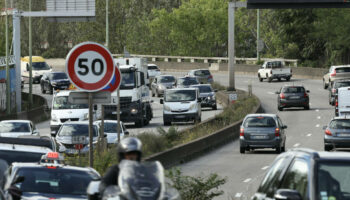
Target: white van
(39,67)
(342,104)
(181,105)
(62,111)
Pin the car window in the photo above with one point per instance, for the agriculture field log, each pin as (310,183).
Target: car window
(342,69)
(111,127)
(272,179)
(167,79)
(279,122)
(204,88)
(57,76)
(20,156)
(296,178)
(202,73)
(259,122)
(340,124)
(61,102)
(293,90)
(188,81)
(180,95)
(152,67)
(14,127)
(341,84)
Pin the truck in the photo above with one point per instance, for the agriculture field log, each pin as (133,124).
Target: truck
(135,101)
(274,69)
(342,102)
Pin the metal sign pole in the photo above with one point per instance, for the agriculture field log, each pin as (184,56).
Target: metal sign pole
(8,101)
(30,58)
(102,131)
(91,160)
(118,114)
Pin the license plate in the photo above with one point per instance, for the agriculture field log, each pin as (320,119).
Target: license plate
(64,87)
(179,116)
(258,136)
(343,134)
(71,151)
(294,97)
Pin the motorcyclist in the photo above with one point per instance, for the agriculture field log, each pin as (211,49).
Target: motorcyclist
(130,149)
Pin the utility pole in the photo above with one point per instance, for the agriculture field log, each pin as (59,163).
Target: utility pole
(30,58)
(107,24)
(258,34)
(8,93)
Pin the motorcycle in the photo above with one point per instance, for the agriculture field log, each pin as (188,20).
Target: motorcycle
(139,181)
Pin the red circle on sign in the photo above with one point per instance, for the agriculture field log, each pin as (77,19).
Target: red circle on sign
(70,64)
(115,82)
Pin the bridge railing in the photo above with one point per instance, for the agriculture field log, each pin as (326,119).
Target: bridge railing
(154,58)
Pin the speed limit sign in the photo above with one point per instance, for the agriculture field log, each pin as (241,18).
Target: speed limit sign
(90,66)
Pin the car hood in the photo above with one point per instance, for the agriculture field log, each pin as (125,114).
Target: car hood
(70,113)
(179,106)
(17,134)
(36,196)
(112,138)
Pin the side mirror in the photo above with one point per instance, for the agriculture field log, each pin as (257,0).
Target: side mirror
(324,127)
(287,194)
(18,179)
(161,101)
(126,133)
(35,132)
(277,92)
(285,127)
(152,101)
(147,84)
(104,135)
(308,91)
(215,90)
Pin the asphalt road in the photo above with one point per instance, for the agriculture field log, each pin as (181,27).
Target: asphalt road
(244,172)
(156,122)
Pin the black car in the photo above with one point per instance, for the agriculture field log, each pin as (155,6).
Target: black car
(293,96)
(54,80)
(186,82)
(306,174)
(333,90)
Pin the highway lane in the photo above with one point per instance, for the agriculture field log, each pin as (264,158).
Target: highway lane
(245,171)
(157,121)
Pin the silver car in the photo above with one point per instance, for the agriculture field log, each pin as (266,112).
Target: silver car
(202,75)
(262,131)
(337,133)
(110,129)
(161,83)
(16,128)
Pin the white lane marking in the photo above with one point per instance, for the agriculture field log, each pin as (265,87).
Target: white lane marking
(238,195)
(265,168)
(318,117)
(308,135)
(270,93)
(247,180)
(296,145)
(317,125)
(317,110)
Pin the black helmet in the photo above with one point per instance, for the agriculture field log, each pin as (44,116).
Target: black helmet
(129,144)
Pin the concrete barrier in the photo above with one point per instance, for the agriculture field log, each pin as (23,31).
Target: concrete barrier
(188,151)
(37,114)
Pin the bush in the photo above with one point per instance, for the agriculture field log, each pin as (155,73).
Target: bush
(217,86)
(152,143)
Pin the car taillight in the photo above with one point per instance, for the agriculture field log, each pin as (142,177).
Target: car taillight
(51,167)
(210,77)
(336,103)
(271,72)
(241,132)
(328,132)
(277,132)
(282,96)
(334,73)
(334,90)
(305,95)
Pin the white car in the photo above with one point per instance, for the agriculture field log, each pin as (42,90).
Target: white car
(181,105)
(110,129)
(153,70)
(16,128)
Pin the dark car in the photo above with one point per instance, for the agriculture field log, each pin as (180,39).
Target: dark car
(293,96)
(337,134)
(207,95)
(333,90)
(262,131)
(186,82)
(54,80)
(306,174)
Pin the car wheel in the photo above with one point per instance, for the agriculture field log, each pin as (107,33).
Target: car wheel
(279,79)
(166,123)
(278,149)
(242,150)
(288,79)
(260,79)
(307,108)
(152,93)
(215,107)
(283,149)
(325,86)
(280,108)
(157,94)
(327,148)
(51,90)
(42,89)
(140,123)
(269,80)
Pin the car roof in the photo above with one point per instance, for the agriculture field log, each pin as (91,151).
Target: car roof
(342,117)
(25,148)
(198,85)
(292,86)
(187,77)
(341,80)
(108,121)
(16,120)
(261,115)
(320,155)
(165,75)
(151,64)
(39,165)
(200,69)
(338,66)
(41,141)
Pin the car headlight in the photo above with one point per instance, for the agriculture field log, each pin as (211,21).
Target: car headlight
(86,116)
(54,118)
(193,106)
(162,87)
(167,108)
(53,83)
(133,111)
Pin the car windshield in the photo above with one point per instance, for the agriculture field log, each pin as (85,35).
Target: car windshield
(76,130)
(14,127)
(333,180)
(152,67)
(204,89)
(167,79)
(20,156)
(40,66)
(259,122)
(341,84)
(342,69)
(340,124)
(55,180)
(187,81)
(202,73)
(110,127)
(61,102)
(180,95)
(128,80)
(58,76)
(293,90)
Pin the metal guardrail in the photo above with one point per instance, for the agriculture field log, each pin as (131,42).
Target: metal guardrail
(289,62)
